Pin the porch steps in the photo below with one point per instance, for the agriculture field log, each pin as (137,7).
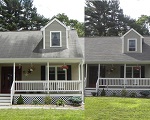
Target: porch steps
(5,99)
(88,91)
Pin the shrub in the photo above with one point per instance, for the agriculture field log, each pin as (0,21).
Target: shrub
(75,101)
(94,93)
(145,93)
(60,102)
(20,100)
(133,94)
(103,93)
(123,93)
(35,102)
(47,100)
(114,94)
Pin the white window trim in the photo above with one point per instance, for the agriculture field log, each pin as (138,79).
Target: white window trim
(51,39)
(57,72)
(133,68)
(135,44)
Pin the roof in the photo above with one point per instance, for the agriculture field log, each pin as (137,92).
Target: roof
(55,19)
(109,50)
(130,31)
(29,44)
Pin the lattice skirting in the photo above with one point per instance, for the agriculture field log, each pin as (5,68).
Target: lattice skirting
(118,92)
(40,99)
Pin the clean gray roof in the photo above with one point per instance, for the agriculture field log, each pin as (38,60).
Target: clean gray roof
(29,44)
(109,50)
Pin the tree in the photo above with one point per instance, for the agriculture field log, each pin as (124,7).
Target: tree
(20,15)
(74,24)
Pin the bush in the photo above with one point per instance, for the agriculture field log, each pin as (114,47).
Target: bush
(123,93)
(133,94)
(94,93)
(75,101)
(60,102)
(35,102)
(145,93)
(47,100)
(20,100)
(114,94)
(103,93)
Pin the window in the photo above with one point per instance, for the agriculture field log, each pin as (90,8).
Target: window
(55,38)
(132,45)
(133,72)
(57,73)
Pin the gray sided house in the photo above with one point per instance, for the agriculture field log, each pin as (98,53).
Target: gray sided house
(35,64)
(117,63)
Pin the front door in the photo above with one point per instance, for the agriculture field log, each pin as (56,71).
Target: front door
(7,78)
(93,75)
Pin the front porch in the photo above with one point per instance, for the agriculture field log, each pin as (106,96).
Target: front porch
(116,77)
(36,80)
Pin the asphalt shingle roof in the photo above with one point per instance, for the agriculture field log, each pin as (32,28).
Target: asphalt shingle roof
(109,49)
(29,44)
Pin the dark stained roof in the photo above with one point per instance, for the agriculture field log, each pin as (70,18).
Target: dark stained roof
(109,50)
(29,44)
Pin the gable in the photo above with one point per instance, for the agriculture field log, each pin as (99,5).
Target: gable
(55,35)
(132,42)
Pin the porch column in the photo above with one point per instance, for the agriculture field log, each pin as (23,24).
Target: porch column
(79,72)
(85,82)
(99,70)
(14,71)
(82,84)
(124,74)
(48,77)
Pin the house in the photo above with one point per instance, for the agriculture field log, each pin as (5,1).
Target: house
(35,64)
(117,63)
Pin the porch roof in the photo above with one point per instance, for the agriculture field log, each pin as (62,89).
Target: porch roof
(29,44)
(109,50)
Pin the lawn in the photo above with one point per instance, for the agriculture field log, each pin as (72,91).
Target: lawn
(117,108)
(41,114)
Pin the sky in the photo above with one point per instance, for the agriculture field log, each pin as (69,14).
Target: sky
(74,9)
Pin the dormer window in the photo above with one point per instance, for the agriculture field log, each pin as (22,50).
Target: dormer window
(132,45)
(55,39)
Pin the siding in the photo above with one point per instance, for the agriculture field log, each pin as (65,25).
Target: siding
(55,26)
(131,35)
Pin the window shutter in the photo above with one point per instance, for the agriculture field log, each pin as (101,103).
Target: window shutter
(122,72)
(42,72)
(69,72)
(142,71)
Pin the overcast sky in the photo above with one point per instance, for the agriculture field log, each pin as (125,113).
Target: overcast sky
(74,9)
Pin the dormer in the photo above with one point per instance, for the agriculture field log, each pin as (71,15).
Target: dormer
(55,35)
(132,42)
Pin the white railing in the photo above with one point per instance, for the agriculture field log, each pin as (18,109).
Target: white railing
(123,82)
(12,91)
(44,86)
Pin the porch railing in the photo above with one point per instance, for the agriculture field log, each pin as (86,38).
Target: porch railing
(123,82)
(45,86)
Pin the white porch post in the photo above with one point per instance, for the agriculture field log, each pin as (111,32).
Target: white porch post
(14,71)
(48,77)
(82,78)
(86,75)
(99,71)
(79,72)
(124,74)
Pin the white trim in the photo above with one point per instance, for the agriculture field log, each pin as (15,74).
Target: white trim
(55,19)
(130,31)
(52,95)
(135,44)
(44,39)
(51,39)
(99,70)
(79,72)
(67,39)
(14,71)
(141,45)
(48,75)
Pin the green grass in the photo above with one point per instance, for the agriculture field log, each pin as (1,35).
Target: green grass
(117,108)
(41,114)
